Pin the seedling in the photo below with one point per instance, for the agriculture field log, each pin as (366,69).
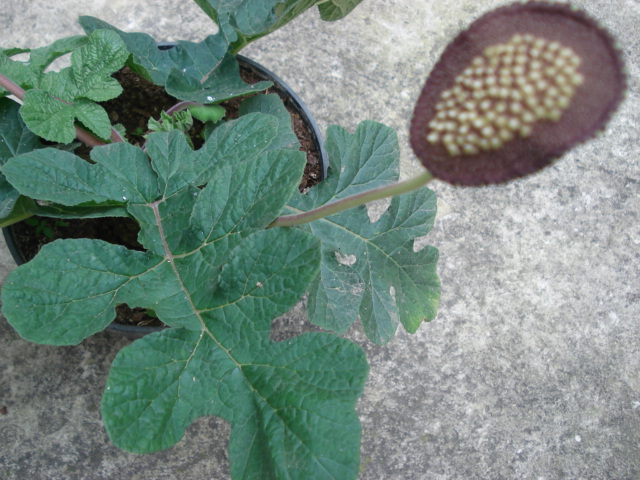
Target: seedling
(44,227)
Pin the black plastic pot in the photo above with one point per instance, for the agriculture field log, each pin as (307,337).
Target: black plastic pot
(292,102)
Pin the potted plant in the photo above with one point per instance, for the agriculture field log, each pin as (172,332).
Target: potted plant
(140,101)
(229,242)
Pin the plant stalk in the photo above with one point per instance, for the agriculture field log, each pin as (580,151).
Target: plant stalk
(178,107)
(353,201)
(11,87)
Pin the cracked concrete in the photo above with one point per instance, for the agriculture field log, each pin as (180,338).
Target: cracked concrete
(531,369)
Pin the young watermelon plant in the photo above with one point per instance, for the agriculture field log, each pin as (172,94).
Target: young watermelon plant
(230,243)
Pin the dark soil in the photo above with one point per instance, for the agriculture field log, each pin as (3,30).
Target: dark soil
(140,101)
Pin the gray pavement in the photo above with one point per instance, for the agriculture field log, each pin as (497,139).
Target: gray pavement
(531,369)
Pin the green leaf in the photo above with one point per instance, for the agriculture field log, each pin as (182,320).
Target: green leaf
(336,9)
(370,270)
(8,198)
(41,58)
(243,21)
(89,75)
(271,104)
(54,120)
(55,101)
(148,60)
(303,423)
(212,113)
(29,74)
(54,175)
(291,405)
(88,210)
(212,82)
(182,121)
(213,273)
(123,174)
(18,72)
(15,139)
(47,298)
(199,72)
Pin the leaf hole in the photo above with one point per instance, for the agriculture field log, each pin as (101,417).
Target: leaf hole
(348,260)
(376,209)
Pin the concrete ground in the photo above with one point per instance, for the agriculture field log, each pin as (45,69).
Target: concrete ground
(531,369)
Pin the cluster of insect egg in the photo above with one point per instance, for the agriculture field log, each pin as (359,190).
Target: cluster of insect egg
(503,93)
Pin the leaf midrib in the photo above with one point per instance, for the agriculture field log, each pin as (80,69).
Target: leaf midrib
(170,259)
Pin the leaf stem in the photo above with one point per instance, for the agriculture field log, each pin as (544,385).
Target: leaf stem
(178,107)
(353,201)
(11,87)
(14,218)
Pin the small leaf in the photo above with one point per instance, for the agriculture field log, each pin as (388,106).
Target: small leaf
(89,75)
(211,113)
(41,58)
(149,61)
(47,117)
(93,117)
(18,72)
(56,100)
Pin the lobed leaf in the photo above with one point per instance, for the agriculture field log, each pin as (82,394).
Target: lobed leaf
(292,409)
(148,60)
(212,82)
(370,270)
(57,176)
(55,101)
(213,273)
